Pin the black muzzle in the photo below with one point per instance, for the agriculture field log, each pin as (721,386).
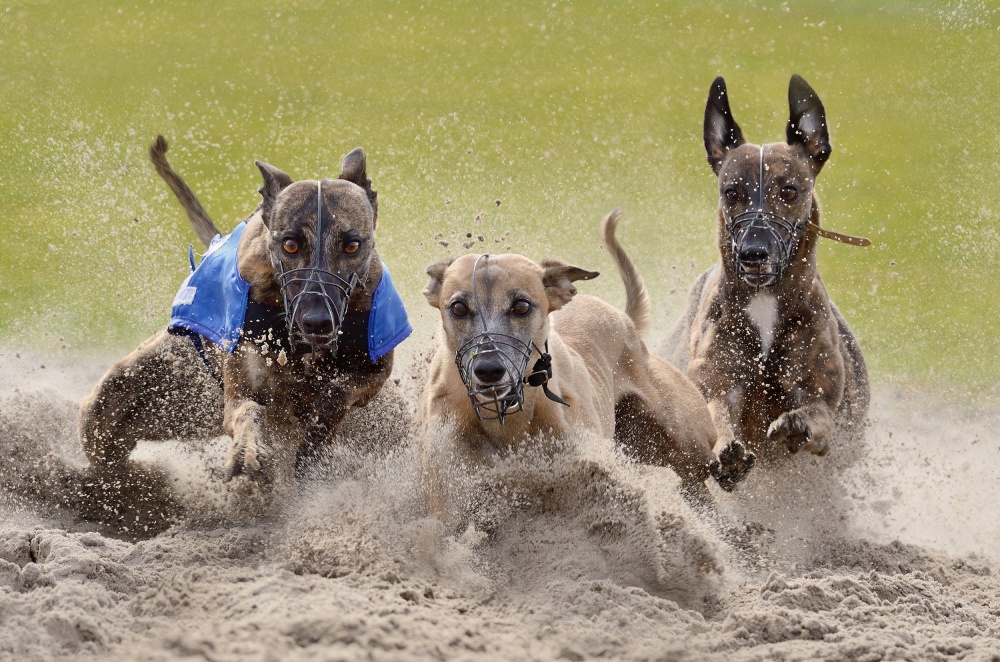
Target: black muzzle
(762,245)
(315,305)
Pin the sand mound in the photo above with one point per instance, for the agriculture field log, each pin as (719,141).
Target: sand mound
(880,551)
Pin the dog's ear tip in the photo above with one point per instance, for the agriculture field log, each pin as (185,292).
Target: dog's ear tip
(799,89)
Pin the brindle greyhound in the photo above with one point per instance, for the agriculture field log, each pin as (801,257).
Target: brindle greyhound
(773,356)
(307,290)
(593,369)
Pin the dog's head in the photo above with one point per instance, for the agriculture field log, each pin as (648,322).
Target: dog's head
(322,245)
(765,191)
(494,311)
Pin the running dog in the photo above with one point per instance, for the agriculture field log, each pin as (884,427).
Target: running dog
(592,373)
(287,323)
(772,355)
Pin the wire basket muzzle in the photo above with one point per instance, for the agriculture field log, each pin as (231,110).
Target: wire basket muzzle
(309,289)
(762,244)
(494,399)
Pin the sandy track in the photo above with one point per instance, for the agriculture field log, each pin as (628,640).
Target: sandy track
(887,551)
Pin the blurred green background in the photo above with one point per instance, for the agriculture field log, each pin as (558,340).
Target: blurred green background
(520,122)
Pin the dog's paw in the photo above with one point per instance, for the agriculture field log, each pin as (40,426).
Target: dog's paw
(733,465)
(245,458)
(793,431)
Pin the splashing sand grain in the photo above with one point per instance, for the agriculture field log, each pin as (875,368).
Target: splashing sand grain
(885,551)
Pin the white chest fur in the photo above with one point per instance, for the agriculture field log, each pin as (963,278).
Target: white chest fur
(763,312)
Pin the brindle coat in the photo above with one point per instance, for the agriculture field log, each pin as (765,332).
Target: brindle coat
(778,365)
(278,407)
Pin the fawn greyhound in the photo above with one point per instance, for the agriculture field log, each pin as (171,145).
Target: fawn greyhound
(592,372)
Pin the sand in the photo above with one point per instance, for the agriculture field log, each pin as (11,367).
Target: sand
(883,550)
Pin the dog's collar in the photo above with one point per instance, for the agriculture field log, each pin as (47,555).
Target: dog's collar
(268,325)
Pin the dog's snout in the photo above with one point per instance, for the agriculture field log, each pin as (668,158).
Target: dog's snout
(753,253)
(489,370)
(316,323)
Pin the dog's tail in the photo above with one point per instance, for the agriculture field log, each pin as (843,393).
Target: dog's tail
(636,297)
(203,225)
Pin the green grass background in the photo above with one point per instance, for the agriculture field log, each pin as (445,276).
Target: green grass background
(559,110)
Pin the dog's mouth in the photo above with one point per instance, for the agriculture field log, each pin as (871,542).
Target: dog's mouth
(315,306)
(503,394)
(490,392)
(762,245)
(758,274)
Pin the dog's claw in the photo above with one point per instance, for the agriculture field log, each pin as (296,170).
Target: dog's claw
(244,460)
(792,430)
(733,465)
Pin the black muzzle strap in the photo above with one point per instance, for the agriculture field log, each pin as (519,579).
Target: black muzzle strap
(541,373)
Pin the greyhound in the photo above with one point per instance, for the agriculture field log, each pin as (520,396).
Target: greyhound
(774,358)
(287,323)
(593,372)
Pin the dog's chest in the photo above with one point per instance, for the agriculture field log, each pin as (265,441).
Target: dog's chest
(763,313)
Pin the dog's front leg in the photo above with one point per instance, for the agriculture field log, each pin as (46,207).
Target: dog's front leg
(721,397)
(806,427)
(318,436)
(244,423)
(814,390)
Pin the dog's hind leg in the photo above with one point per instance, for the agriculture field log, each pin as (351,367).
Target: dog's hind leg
(162,390)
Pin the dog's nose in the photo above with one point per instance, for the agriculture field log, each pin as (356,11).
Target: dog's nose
(753,254)
(489,371)
(316,323)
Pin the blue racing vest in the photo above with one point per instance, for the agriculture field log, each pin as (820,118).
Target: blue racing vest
(212,302)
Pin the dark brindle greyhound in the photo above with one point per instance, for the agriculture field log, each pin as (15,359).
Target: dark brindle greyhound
(773,356)
(286,324)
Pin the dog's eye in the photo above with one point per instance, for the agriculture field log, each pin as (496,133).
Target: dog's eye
(352,247)
(521,307)
(291,246)
(459,309)
(732,195)
(789,193)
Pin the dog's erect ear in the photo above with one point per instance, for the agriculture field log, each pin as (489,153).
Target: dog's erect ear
(436,272)
(355,170)
(275,181)
(558,281)
(807,122)
(722,133)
